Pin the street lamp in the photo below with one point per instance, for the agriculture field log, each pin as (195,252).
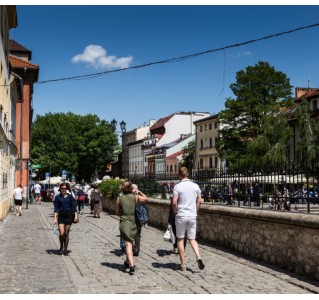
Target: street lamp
(113,124)
(123,126)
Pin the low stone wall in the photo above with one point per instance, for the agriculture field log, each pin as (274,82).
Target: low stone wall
(286,240)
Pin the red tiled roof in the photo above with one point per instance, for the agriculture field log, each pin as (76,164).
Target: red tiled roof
(308,95)
(175,154)
(17,62)
(161,122)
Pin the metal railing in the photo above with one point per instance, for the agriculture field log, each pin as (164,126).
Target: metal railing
(287,187)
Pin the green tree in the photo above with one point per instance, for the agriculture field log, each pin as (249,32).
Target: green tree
(188,155)
(82,145)
(248,125)
(308,134)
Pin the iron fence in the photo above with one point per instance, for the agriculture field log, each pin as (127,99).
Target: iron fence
(287,187)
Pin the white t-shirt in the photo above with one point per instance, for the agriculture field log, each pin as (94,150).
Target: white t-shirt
(17,193)
(187,192)
(56,191)
(37,188)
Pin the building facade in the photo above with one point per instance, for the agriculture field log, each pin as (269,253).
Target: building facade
(206,155)
(10,95)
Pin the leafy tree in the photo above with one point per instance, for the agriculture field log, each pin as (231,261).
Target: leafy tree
(188,155)
(249,123)
(307,148)
(82,145)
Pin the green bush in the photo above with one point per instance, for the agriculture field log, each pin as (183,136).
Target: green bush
(110,187)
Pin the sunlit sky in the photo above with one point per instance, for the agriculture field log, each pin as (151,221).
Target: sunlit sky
(74,40)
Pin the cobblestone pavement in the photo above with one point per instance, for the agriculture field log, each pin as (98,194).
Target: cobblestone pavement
(30,264)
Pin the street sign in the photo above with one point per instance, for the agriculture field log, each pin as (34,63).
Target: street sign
(36,166)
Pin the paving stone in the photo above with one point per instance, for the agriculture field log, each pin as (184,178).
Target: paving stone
(29,263)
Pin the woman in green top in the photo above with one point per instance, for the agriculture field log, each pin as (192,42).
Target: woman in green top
(125,208)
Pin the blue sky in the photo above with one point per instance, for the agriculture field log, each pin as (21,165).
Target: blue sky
(76,40)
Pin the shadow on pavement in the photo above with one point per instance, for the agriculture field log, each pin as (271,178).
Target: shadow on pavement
(55,252)
(119,267)
(163,252)
(158,265)
(117,252)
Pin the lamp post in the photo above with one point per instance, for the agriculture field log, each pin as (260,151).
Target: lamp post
(123,130)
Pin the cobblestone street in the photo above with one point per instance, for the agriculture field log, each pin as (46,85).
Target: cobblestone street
(30,264)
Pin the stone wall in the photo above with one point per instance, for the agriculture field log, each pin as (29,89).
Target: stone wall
(286,240)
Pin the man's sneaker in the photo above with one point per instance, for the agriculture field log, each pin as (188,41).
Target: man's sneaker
(200,264)
(180,268)
(175,250)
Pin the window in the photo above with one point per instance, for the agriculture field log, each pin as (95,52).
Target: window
(216,125)
(201,128)
(210,162)
(210,126)
(216,162)
(201,144)
(211,143)
(314,105)
(201,163)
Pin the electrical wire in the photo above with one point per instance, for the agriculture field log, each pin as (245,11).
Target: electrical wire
(176,59)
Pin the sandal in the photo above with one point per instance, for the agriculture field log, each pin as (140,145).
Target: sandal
(132,270)
(126,264)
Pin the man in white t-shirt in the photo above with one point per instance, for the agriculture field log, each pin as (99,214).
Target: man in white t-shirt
(37,192)
(17,195)
(56,190)
(186,203)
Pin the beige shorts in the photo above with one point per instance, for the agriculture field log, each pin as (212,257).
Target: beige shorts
(185,225)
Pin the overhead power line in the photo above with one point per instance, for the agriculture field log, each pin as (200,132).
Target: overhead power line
(177,59)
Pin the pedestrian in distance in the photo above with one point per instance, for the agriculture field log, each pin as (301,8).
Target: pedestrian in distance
(140,197)
(64,210)
(186,203)
(80,197)
(96,198)
(125,208)
(37,191)
(17,196)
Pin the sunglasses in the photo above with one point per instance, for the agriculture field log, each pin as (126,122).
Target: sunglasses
(63,188)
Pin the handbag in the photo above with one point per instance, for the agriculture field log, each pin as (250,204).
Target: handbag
(172,235)
(167,234)
(73,218)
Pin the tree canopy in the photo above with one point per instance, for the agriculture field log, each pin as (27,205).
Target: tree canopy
(250,122)
(82,145)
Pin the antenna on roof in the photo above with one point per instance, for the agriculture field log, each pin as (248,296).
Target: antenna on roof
(308,82)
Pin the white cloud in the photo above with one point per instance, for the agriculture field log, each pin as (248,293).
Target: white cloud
(97,57)
(245,53)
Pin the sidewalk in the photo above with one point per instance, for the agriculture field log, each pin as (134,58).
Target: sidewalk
(29,262)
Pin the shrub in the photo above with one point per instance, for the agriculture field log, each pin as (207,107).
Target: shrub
(110,187)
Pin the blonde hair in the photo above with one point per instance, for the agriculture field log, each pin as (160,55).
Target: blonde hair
(183,172)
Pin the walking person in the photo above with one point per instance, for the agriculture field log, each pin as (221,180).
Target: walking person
(17,196)
(80,197)
(37,191)
(186,203)
(125,208)
(141,197)
(64,209)
(96,198)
